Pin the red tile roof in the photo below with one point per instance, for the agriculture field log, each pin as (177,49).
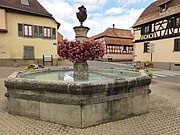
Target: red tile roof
(114,32)
(115,36)
(34,7)
(151,13)
(118,41)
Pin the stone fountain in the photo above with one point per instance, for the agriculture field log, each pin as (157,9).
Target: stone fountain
(55,95)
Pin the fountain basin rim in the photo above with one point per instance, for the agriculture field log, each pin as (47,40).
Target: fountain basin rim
(74,88)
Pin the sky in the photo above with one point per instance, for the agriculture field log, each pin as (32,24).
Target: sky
(102,14)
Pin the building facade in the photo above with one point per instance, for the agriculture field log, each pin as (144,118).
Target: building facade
(27,32)
(119,43)
(157,35)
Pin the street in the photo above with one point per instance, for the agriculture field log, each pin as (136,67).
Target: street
(167,76)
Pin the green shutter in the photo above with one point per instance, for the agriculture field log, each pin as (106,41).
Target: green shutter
(40,32)
(28,52)
(20,30)
(36,31)
(54,33)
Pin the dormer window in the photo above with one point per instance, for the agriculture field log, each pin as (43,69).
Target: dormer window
(24,2)
(162,8)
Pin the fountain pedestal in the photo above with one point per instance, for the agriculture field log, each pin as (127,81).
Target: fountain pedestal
(81,67)
(81,32)
(81,70)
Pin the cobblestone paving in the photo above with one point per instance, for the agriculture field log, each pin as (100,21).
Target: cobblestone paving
(163,119)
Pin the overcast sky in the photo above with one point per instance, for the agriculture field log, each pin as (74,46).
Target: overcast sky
(101,14)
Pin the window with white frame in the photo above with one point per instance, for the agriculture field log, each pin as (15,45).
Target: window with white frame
(47,32)
(28,30)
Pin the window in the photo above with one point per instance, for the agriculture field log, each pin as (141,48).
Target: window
(162,8)
(124,48)
(178,22)
(171,23)
(47,32)
(146,45)
(146,29)
(177,44)
(28,30)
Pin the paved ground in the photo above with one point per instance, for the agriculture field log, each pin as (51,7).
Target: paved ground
(163,118)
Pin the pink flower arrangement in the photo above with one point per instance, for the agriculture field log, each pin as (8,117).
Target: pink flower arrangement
(76,51)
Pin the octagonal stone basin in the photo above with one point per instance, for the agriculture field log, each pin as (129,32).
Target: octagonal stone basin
(58,95)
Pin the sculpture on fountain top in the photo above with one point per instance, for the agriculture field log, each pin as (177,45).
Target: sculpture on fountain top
(82,14)
(81,31)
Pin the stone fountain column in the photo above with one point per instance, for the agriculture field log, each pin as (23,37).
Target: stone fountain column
(81,67)
(81,32)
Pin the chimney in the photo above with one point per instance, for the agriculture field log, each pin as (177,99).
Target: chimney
(113,26)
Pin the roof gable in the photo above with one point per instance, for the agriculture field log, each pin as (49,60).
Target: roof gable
(151,13)
(34,7)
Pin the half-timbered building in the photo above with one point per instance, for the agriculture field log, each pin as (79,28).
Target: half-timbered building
(119,43)
(157,35)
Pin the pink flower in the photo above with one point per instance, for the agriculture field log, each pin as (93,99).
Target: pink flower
(74,50)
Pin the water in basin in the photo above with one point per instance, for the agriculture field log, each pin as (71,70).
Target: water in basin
(69,76)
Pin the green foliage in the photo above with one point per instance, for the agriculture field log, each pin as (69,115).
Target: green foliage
(33,67)
(148,63)
(149,73)
(28,68)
